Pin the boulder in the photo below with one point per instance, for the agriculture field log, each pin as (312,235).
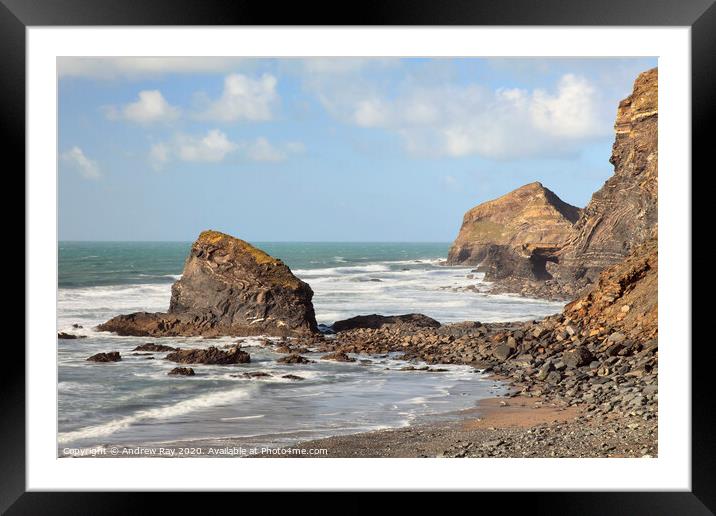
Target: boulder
(181,371)
(63,335)
(292,377)
(228,287)
(375,321)
(294,359)
(112,356)
(338,356)
(502,351)
(577,357)
(211,355)
(257,374)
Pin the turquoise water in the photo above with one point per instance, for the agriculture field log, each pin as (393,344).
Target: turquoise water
(84,264)
(135,403)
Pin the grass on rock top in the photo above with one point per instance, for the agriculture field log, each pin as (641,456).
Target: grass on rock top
(285,276)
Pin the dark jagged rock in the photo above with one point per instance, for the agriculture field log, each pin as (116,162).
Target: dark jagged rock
(151,346)
(623,213)
(63,335)
(577,357)
(514,235)
(381,321)
(294,359)
(112,356)
(292,377)
(257,374)
(338,356)
(182,371)
(210,355)
(228,287)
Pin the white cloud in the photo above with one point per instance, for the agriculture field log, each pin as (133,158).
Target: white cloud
(78,160)
(244,98)
(444,119)
(215,146)
(570,112)
(150,107)
(371,113)
(212,147)
(142,67)
(159,155)
(262,150)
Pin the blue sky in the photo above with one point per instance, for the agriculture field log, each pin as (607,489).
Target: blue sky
(324,149)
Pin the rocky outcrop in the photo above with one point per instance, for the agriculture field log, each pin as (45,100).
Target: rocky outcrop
(294,359)
(154,348)
(228,287)
(210,355)
(182,371)
(338,356)
(63,335)
(381,321)
(514,235)
(623,213)
(112,356)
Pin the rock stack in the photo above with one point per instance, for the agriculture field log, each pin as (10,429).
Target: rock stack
(228,287)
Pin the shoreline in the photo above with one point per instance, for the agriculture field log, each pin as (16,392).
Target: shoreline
(512,426)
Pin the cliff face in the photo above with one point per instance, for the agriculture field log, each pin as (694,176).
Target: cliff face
(514,234)
(228,287)
(623,213)
(624,297)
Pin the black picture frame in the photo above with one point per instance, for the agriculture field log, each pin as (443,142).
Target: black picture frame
(700,15)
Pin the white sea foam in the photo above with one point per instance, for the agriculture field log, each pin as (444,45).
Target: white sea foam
(388,288)
(239,418)
(159,413)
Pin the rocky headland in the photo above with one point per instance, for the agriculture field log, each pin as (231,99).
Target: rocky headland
(515,235)
(532,243)
(228,287)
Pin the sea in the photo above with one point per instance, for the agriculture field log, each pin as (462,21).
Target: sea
(134,403)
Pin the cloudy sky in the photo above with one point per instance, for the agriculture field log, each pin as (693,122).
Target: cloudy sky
(324,149)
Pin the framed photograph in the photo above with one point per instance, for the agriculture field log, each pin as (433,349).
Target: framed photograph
(415,250)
